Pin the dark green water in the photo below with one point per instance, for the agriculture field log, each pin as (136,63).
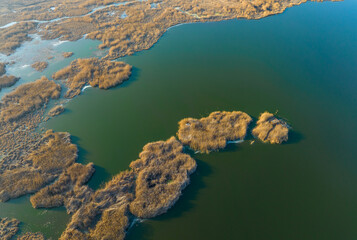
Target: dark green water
(302,63)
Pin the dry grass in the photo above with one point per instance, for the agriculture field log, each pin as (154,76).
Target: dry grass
(162,173)
(112,225)
(65,188)
(67,54)
(31,236)
(28,98)
(57,154)
(270,129)
(144,25)
(7,81)
(17,182)
(40,66)
(56,110)
(150,189)
(213,132)
(115,196)
(98,73)
(2,68)
(8,228)
(52,154)
(12,37)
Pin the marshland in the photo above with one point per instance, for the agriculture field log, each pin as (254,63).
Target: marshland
(165,88)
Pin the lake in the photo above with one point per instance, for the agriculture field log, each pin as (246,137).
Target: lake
(301,64)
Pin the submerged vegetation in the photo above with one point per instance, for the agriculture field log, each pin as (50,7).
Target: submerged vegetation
(31,236)
(98,73)
(213,132)
(270,129)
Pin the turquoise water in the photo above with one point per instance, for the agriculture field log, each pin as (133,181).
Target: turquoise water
(302,63)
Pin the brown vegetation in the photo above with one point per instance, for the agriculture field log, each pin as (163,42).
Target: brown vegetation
(2,68)
(162,173)
(67,190)
(142,27)
(115,196)
(31,236)
(12,37)
(40,167)
(57,154)
(67,54)
(8,81)
(40,66)
(5,80)
(28,98)
(56,110)
(8,228)
(98,73)
(152,186)
(22,10)
(270,129)
(213,132)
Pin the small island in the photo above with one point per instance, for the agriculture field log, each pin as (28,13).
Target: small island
(99,73)
(67,54)
(213,132)
(6,80)
(56,110)
(270,129)
(40,66)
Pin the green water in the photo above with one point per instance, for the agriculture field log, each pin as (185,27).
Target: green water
(302,63)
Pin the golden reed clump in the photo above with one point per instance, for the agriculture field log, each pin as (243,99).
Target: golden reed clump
(212,132)
(110,201)
(270,129)
(31,236)
(69,184)
(8,81)
(12,37)
(5,80)
(67,54)
(56,110)
(40,167)
(8,228)
(27,98)
(40,66)
(98,73)
(152,186)
(162,173)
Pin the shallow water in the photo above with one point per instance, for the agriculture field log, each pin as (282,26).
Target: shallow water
(301,63)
